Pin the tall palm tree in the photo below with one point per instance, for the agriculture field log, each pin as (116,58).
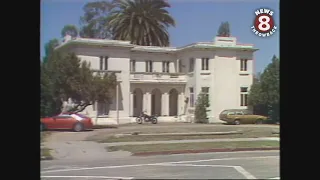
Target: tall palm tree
(143,22)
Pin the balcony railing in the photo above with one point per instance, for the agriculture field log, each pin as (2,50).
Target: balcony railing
(117,73)
(155,77)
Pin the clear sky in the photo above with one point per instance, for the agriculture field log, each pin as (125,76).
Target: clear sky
(196,21)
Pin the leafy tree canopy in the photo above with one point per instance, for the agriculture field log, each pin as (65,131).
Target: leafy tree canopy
(65,76)
(224,29)
(94,21)
(264,93)
(143,22)
(69,30)
(49,48)
(201,109)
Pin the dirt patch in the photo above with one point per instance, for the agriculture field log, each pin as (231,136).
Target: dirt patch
(68,145)
(45,153)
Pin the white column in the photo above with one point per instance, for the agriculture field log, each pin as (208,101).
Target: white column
(178,65)
(180,103)
(147,102)
(117,102)
(165,104)
(131,104)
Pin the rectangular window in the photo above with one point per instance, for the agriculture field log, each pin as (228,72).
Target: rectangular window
(243,64)
(165,66)
(106,63)
(205,64)
(243,96)
(133,65)
(191,97)
(149,66)
(205,91)
(101,63)
(191,64)
(103,108)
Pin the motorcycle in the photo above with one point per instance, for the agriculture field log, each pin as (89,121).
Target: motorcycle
(143,117)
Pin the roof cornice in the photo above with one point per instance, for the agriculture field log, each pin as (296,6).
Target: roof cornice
(137,48)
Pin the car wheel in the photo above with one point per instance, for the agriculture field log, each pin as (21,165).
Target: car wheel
(78,127)
(236,122)
(259,121)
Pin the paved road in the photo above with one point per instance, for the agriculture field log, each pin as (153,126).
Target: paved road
(235,165)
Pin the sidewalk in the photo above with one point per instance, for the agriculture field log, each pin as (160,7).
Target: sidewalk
(193,141)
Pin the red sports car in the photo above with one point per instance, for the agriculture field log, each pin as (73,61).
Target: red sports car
(76,122)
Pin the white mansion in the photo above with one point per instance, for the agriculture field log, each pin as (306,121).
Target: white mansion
(166,80)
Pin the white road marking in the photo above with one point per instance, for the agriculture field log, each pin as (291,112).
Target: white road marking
(139,165)
(240,169)
(234,152)
(275,178)
(93,177)
(60,167)
(192,165)
(245,173)
(223,159)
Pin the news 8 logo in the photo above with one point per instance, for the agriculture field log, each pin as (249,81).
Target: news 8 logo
(263,24)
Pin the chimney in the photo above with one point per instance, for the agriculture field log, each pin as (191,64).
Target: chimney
(67,38)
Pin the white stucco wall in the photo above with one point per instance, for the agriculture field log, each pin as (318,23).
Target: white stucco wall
(118,61)
(223,77)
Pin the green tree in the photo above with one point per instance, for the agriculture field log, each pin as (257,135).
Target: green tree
(264,94)
(70,30)
(49,48)
(67,77)
(201,109)
(143,22)
(94,21)
(224,29)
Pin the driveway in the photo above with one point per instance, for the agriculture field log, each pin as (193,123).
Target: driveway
(73,146)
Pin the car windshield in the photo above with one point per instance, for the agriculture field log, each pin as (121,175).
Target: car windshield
(224,112)
(81,115)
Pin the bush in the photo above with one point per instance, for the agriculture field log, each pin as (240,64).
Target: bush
(201,109)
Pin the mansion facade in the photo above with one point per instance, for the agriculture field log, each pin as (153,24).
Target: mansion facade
(167,80)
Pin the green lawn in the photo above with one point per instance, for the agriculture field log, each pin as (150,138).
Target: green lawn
(110,135)
(193,146)
(131,138)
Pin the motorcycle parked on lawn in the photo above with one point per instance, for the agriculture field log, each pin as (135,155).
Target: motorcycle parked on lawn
(147,118)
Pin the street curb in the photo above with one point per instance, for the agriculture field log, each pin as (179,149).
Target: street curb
(202,151)
(180,134)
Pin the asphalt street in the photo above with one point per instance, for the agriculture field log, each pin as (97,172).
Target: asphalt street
(232,165)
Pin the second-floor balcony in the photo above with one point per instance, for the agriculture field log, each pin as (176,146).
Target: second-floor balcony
(102,72)
(158,77)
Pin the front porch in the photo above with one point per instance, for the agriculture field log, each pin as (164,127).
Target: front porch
(157,99)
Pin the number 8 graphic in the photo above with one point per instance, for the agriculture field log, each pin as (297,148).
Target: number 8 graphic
(264,20)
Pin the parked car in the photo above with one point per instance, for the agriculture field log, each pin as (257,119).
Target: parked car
(72,121)
(241,116)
